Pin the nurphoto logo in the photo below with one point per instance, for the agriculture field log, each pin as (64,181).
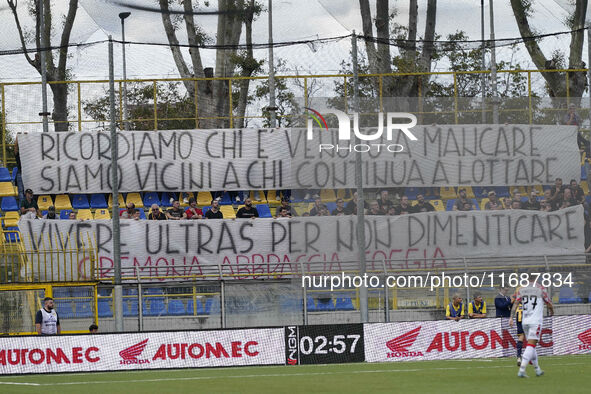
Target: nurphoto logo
(344,133)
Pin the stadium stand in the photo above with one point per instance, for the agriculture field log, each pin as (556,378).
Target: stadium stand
(98,201)
(7,190)
(65,214)
(5,175)
(151,198)
(80,201)
(11,219)
(9,204)
(84,214)
(62,201)
(102,214)
(119,198)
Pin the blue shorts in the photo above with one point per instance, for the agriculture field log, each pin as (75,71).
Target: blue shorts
(519,328)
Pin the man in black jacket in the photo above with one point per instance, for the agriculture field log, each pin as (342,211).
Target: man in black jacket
(503,303)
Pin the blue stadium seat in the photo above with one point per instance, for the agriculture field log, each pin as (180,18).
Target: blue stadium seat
(501,191)
(151,198)
(165,199)
(583,173)
(104,292)
(212,306)
(65,214)
(176,308)
(14,174)
(83,309)
(450,205)
(127,291)
(5,175)
(412,192)
(157,307)
(12,237)
(205,209)
(131,309)
(9,204)
(310,305)
(98,201)
(325,304)
(475,202)
(344,304)
(481,191)
(154,290)
(567,296)
(81,292)
(190,307)
(64,309)
(80,201)
(264,211)
(61,292)
(104,310)
(226,200)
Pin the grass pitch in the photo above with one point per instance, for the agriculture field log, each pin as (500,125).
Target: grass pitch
(563,374)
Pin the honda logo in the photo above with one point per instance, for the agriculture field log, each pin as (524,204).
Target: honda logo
(399,345)
(130,355)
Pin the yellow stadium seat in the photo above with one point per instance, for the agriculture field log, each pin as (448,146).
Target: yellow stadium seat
(483,203)
(119,198)
(438,204)
(204,199)
(7,190)
(447,193)
(62,201)
(260,194)
(328,195)
(182,196)
(44,202)
(102,214)
(11,219)
(84,214)
(136,199)
(272,196)
(540,190)
(584,186)
(228,212)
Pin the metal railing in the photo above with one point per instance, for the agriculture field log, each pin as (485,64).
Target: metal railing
(12,95)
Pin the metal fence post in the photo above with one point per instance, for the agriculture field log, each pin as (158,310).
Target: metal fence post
(466,284)
(386,295)
(304,295)
(140,306)
(223,303)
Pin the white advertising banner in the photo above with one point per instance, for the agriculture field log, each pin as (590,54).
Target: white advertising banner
(269,246)
(120,352)
(445,339)
(575,334)
(247,159)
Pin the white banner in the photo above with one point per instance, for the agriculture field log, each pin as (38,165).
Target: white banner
(245,248)
(120,352)
(189,160)
(575,335)
(445,339)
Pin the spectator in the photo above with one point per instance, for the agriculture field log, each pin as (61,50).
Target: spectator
(384,201)
(391,211)
(50,213)
(455,309)
(422,205)
(468,206)
(156,213)
(507,202)
(28,204)
(128,213)
(214,212)
(47,321)
(282,212)
(374,209)
(493,203)
(503,303)
(477,308)
(516,195)
(568,199)
(577,192)
(515,204)
(72,215)
(571,118)
(193,212)
(315,211)
(137,215)
(324,210)
(351,207)
(247,211)
(545,206)
(285,204)
(532,203)
(176,212)
(404,208)
(462,199)
(556,194)
(340,209)
(93,329)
